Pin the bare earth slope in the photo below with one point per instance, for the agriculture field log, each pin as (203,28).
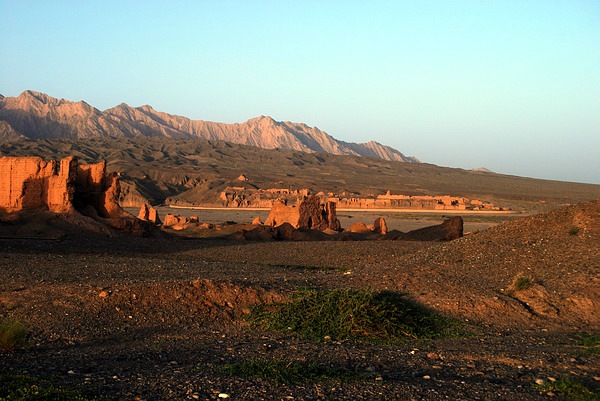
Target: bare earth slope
(36,115)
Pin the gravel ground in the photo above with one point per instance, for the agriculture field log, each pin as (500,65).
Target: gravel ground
(154,319)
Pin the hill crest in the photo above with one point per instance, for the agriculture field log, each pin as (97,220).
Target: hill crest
(35,115)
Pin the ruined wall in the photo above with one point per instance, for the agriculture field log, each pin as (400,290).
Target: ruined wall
(281,213)
(149,213)
(31,183)
(316,215)
(311,213)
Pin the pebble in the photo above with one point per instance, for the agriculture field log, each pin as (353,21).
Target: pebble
(70,372)
(539,381)
(427,377)
(223,395)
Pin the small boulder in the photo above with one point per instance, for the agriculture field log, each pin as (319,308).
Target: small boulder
(260,233)
(449,230)
(359,227)
(285,232)
(256,221)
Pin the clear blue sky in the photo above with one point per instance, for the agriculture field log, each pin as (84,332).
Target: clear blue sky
(510,85)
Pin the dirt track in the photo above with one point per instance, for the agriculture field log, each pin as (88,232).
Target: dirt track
(156,318)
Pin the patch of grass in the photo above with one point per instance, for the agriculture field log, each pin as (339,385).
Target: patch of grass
(573,230)
(288,372)
(522,283)
(590,343)
(13,334)
(34,388)
(354,315)
(571,390)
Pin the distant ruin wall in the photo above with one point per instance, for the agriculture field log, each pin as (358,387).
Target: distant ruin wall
(256,197)
(30,183)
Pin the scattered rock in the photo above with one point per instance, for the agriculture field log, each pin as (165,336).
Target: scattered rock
(358,227)
(173,219)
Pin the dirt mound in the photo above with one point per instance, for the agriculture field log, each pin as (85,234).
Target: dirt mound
(554,254)
(68,312)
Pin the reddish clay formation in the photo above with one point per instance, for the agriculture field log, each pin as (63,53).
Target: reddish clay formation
(281,213)
(173,219)
(149,213)
(30,183)
(379,226)
(358,227)
(311,214)
(317,216)
(256,197)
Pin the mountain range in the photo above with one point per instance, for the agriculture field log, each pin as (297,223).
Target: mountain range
(34,115)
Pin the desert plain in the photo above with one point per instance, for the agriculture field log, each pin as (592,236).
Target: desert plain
(511,308)
(160,318)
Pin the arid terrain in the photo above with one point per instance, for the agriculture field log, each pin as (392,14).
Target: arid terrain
(148,318)
(112,306)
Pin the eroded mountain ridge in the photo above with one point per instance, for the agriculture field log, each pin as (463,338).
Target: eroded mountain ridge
(36,115)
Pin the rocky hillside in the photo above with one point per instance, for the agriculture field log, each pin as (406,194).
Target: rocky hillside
(36,115)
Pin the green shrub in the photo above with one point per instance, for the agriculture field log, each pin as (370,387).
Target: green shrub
(21,387)
(571,390)
(283,371)
(13,335)
(522,283)
(354,315)
(589,342)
